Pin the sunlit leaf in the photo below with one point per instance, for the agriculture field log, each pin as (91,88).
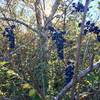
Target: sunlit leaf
(32,92)
(11,72)
(3,63)
(26,86)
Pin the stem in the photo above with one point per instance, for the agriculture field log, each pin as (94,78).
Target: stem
(20,22)
(78,50)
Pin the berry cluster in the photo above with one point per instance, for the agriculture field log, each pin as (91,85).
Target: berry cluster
(79,7)
(10,35)
(90,27)
(69,72)
(57,36)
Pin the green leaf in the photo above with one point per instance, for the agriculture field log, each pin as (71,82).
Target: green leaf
(3,63)
(32,92)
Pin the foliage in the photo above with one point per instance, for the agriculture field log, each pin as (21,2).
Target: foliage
(32,68)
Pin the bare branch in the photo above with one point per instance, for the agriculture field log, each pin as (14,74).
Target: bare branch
(80,76)
(20,22)
(53,11)
(91,60)
(79,49)
(54,8)
(38,14)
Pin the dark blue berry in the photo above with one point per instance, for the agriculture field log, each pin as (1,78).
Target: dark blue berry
(96,28)
(54,36)
(12,26)
(10,35)
(88,23)
(59,40)
(85,31)
(69,72)
(74,4)
(67,80)
(98,38)
(60,54)
(51,28)
(91,29)
(12,44)
(79,7)
(97,31)
(92,24)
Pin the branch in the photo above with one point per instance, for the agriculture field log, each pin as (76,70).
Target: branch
(4,16)
(78,50)
(80,76)
(20,22)
(54,8)
(38,14)
(53,11)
